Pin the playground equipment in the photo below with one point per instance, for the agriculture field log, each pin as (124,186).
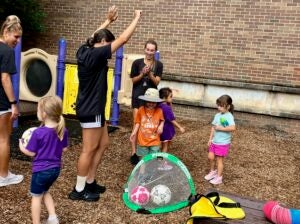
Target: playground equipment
(38,75)
(118,69)
(16,78)
(41,74)
(124,94)
(71,90)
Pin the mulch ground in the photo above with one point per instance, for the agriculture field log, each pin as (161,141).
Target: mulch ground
(263,164)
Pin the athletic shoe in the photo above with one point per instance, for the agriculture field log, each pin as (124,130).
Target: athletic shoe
(165,166)
(134,159)
(216,180)
(53,221)
(94,188)
(11,179)
(83,195)
(211,175)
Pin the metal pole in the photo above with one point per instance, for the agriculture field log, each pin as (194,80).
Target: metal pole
(157,55)
(16,77)
(117,85)
(61,67)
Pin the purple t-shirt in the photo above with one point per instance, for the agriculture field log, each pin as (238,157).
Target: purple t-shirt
(48,148)
(169,130)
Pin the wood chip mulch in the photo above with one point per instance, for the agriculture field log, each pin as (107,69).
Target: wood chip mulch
(262,164)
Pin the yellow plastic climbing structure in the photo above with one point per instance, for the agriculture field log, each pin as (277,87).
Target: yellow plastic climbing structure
(71,90)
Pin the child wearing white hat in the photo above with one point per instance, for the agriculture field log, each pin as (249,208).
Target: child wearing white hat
(148,124)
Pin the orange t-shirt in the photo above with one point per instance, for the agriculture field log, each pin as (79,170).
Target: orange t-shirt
(149,121)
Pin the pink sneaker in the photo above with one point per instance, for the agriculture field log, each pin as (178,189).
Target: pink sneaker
(216,180)
(211,175)
(165,166)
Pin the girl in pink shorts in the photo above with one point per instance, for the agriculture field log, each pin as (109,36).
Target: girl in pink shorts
(219,150)
(220,139)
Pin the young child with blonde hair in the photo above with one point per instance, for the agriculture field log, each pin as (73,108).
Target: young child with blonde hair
(46,146)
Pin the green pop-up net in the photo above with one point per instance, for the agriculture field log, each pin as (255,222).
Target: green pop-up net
(159,183)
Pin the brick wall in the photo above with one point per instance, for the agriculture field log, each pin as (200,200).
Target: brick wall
(250,41)
(255,41)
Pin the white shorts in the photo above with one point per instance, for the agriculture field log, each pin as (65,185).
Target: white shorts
(5,112)
(96,121)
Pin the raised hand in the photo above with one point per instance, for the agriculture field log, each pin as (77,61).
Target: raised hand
(112,14)
(137,13)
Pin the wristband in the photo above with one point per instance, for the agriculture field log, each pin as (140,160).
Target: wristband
(13,102)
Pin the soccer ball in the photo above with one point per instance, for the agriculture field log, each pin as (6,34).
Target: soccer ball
(27,135)
(160,194)
(140,195)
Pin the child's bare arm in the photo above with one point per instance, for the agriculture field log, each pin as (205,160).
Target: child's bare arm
(227,128)
(134,132)
(212,130)
(160,127)
(176,124)
(24,150)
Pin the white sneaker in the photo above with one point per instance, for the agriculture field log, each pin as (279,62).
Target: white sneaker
(10,179)
(52,221)
(216,180)
(212,174)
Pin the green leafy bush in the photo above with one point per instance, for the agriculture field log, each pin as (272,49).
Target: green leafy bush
(29,12)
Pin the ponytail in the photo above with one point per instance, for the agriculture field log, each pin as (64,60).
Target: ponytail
(225,101)
(52,106)
(231,108)
(90,42)
(98,36)
(61,128)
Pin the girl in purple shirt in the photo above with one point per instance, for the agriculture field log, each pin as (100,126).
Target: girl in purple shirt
(169,129)
(46,146)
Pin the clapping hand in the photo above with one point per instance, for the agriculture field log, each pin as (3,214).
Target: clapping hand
(146,70)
